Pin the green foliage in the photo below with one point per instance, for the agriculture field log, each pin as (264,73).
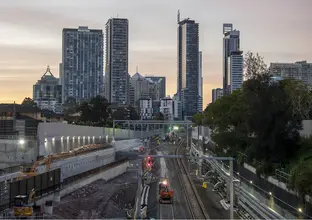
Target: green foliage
(300,174)
(29,102)
(133,113)
(262,121)
(254,65)
(159,116)
(97,112)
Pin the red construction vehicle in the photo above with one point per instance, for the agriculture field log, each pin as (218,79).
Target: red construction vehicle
(165,193)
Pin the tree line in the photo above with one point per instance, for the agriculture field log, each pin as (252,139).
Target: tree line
(95,112)
(262,121)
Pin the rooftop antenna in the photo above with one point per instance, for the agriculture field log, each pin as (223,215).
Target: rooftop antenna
(178,18)
(117,15)
(137,68)
(48,71)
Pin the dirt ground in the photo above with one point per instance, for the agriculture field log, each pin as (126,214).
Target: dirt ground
(99,199)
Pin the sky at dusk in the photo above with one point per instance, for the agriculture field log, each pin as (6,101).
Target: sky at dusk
(31,35)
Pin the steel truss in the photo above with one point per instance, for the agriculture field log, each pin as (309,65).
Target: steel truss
(162,123)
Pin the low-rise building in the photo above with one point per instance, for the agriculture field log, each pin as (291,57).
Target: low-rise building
(19,121)
(300,70)
(146,109)
(167,108)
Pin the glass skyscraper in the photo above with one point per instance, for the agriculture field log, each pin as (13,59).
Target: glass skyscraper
(82,64)
(231,43)
(188,66)
(116,61)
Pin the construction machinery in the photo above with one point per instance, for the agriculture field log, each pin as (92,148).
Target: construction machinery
(165,193)
(24,206)
(27,172)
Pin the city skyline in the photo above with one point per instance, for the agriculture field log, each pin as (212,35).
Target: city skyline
(31,36)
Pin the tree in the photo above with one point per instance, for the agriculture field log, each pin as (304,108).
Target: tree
(301,171)
(256,120)
(227,123)
(270,120)
(95,112)
(254,65)
(159,116)
(300,97)
(29,102)
(133,113)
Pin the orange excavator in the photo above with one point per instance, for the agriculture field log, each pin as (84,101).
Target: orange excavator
(165,193)
(27,172)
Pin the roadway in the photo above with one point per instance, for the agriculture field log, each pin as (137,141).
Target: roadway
(179,209)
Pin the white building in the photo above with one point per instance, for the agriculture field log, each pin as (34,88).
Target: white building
(200,82)
(236,67)
(300,70)
(167,108)
(231,42)
(146,109)
(216,94)
(177,107)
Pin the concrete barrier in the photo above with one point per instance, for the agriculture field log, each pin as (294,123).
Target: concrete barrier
(127,145)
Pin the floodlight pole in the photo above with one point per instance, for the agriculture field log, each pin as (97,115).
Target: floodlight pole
(139,195)
(231,191)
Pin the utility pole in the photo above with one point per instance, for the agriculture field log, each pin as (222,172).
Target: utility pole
(139,196)
(187,136)
(231,191)
(114,124)
(128,129)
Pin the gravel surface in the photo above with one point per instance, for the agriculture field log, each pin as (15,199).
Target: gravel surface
(99,199)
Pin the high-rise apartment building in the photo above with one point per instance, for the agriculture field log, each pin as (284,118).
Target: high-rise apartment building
(231,42)
(47,93)
(300,70)
(188,68)
(200,82)
(236,68)
(216,94)
(82,63)
(116,60)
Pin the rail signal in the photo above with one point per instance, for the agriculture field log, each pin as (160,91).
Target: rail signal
(149,162)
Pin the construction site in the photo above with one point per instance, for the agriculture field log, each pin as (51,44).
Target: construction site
(99,199)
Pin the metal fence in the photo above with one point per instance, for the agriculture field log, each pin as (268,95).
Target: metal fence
(43,184)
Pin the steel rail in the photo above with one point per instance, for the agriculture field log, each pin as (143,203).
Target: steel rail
(183,170)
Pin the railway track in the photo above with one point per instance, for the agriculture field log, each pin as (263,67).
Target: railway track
(193,200)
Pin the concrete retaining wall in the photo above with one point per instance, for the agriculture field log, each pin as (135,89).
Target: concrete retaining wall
(58,137)
(13,153)
(50,133)
(127,145)
(105,175)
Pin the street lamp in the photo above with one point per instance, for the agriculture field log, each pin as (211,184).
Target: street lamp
(21,141)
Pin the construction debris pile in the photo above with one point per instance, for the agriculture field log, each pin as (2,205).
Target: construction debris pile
(99,199)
